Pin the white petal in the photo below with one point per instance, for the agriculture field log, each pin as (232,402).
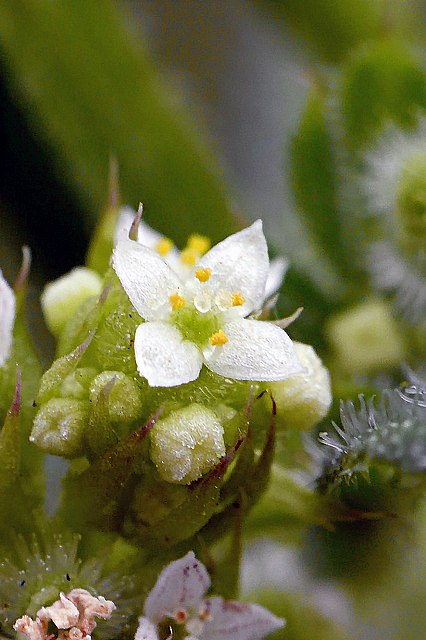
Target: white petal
(163,357)
(146,236)
(181,585)
(240,264)
(146,630)
(255,351)
(7,319)
(277,270)
(238,621)
(146,278)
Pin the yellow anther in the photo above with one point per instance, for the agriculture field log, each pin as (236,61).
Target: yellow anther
(164,246)
(189,257)
(219,338)
(177,301)
(198,243)
(237,299)
(203,274)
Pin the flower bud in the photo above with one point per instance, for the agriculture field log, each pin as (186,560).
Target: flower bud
(411,203)
(76,383)
(366,338)
(124,398)
(303,400)
(61,298)
(187,444)
(59,427)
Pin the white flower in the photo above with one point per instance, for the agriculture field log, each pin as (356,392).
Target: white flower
(73,615)
(178,599)
(200,318)
(197,245)
(7,319)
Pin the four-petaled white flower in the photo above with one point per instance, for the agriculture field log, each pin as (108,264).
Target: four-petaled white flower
(179,261)
(73,615)
(178,600)
(200,317)
(7,319)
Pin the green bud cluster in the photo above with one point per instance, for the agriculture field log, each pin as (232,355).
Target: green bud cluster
(150,462)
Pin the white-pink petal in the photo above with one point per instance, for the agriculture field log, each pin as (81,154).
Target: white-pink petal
(163,357)
(146,630)
(255,350)
(180,587)
(146,278)
(7,319)
(240,263)
(238,621)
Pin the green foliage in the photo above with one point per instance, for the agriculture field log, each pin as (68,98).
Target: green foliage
(381,81)
(99,94)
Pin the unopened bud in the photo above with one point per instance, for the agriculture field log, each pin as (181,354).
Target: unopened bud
(61,298)
(124,398)
(59,427)
(366,338)
(303,400)
(187,444)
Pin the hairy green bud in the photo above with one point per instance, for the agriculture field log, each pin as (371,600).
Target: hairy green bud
(303,400)
(61,298)
(59,427)
(187,444)
(124,398)
(366,338)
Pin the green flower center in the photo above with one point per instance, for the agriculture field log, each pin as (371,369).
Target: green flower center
(195,326)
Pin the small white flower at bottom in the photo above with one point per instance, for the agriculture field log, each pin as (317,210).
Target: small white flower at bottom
(178,599)
(73,615)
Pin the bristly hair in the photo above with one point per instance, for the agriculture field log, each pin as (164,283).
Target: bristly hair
(391,430)
(404,281)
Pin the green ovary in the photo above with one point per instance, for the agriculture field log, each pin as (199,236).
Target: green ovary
(411,203)
(195,326)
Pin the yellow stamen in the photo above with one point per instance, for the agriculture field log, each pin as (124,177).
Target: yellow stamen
(164,246)
(177,301)
(237,299)
(189,257)
(198,243)
(203,274)
(219,338)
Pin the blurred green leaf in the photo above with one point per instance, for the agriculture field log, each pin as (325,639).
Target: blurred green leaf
(314,179)
(384,81)
(332,26)
(90,90)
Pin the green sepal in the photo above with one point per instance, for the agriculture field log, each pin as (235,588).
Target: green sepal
(96,496)
(102,242)
(10,444)
(100,435)
(61,368)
